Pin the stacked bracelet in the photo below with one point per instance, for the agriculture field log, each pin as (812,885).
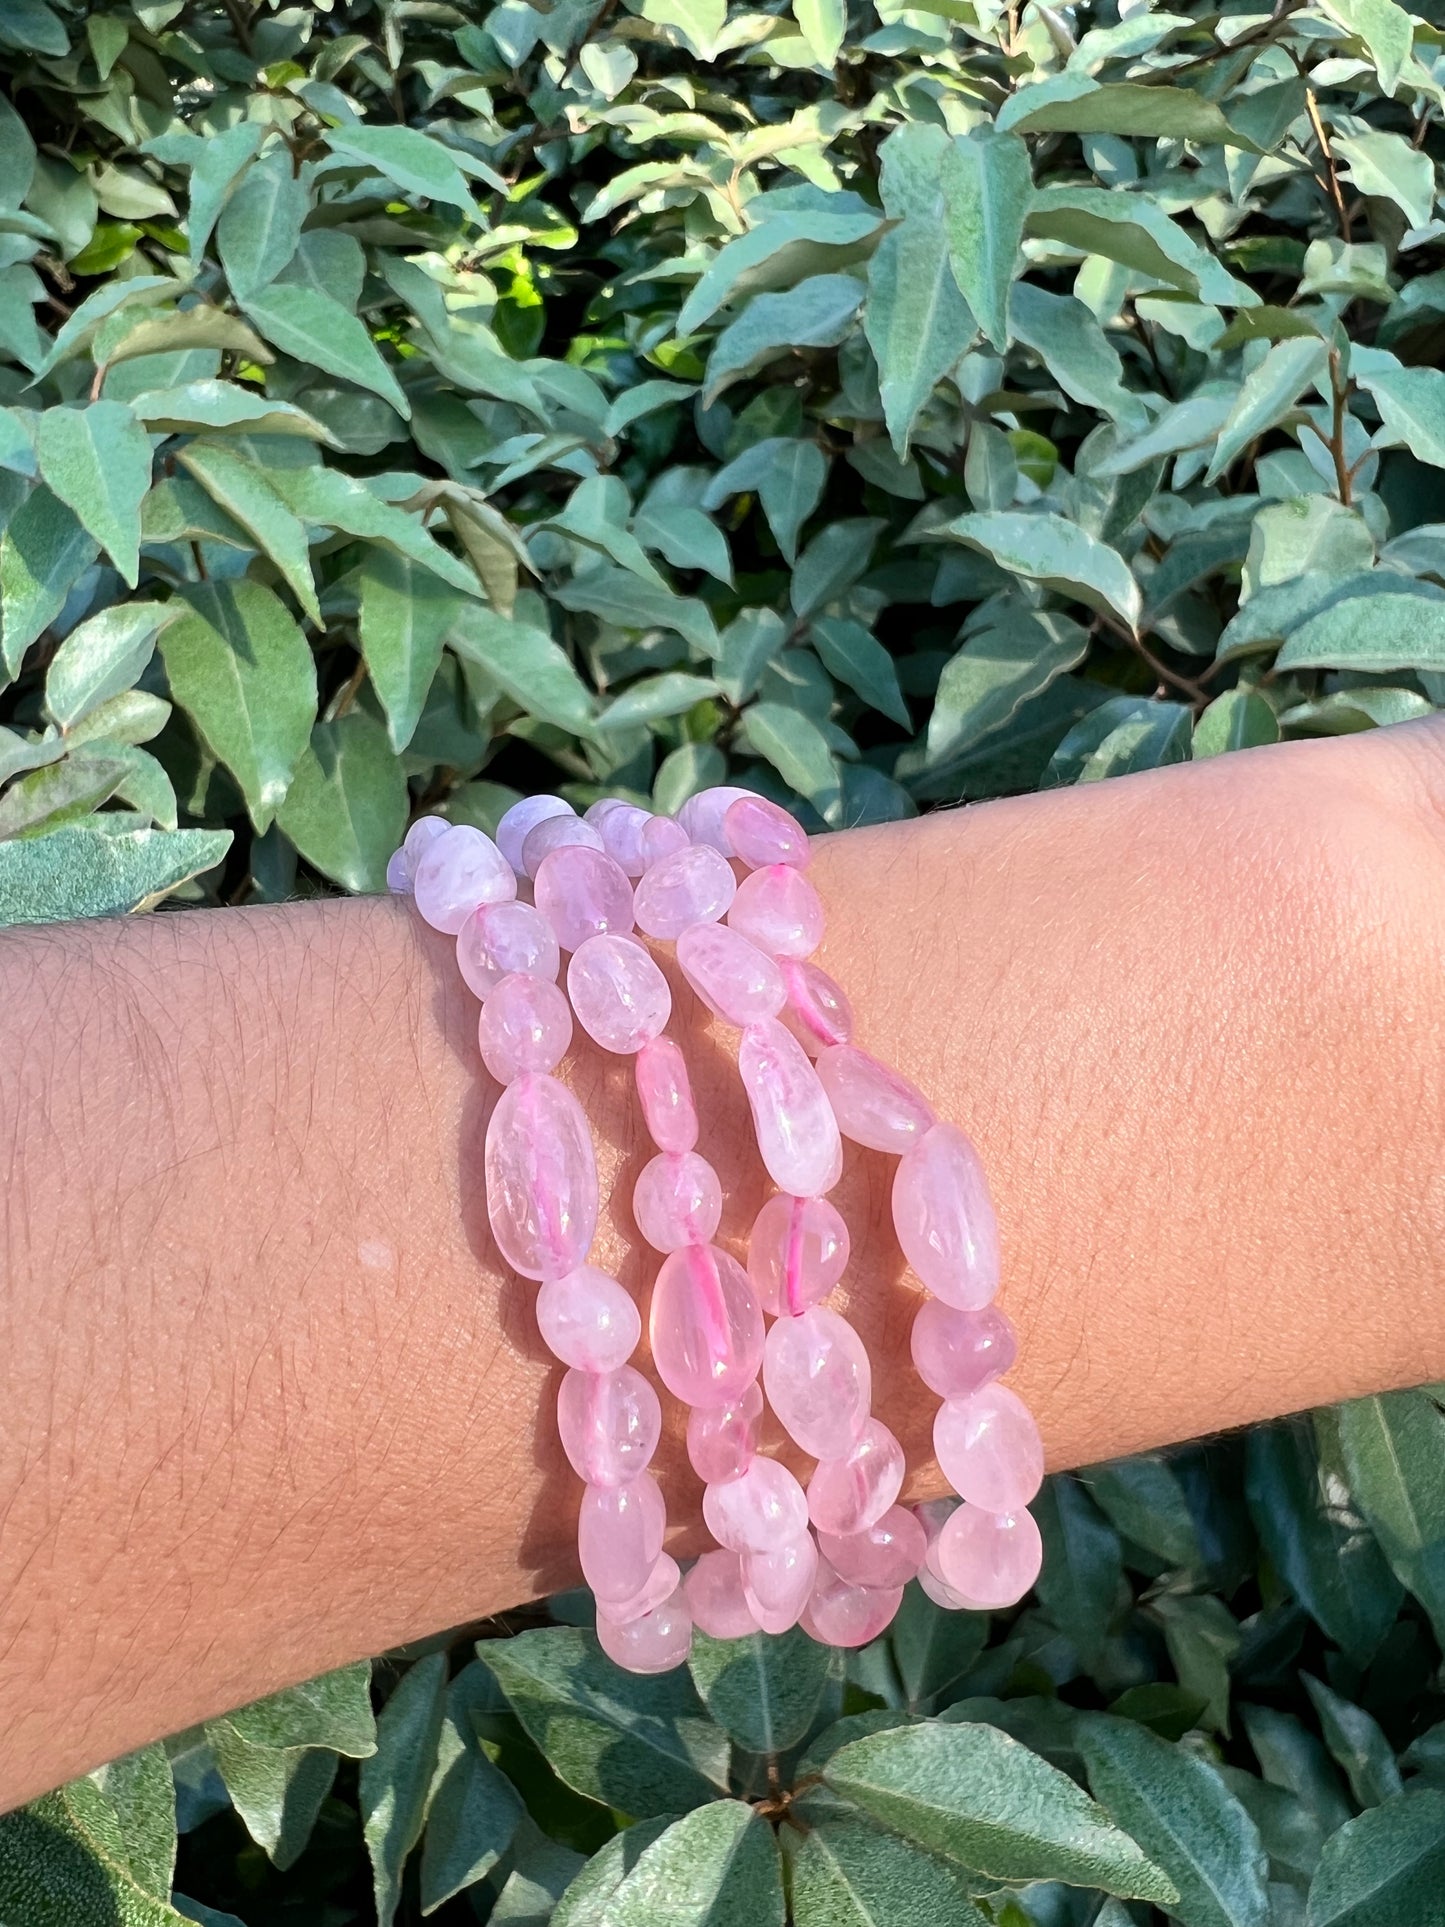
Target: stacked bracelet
(724,884)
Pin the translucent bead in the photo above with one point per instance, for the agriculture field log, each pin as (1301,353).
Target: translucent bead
(705,1326)
(514,824)
(500,939)
(556,833)
(843,1614)
(702,815)
(761,834)
(777,1585)
(619,1535)
(541,1178)
(714,1593)
(587,1320)
(722,1440)
(887,1553)
(940,1592)
(525,1025)
(458,870)
(797,1252)
(958,1352)
(778,910)
(874,1106)
(620,996)
(759,1512)
(733,977)
(850,1493)
(818,1381)
(582,893)
(398,874)
(944,1218)
(817,1011)
(622,833)
(665,1092)
(661,1583)
(989,1448)
(677,1201)
(989,1559)
(655,1643)
(662,836)
(792,1118)
(609,1424)
(694,885)
(419,838)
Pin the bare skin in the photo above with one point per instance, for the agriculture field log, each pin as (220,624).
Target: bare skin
(273,1404)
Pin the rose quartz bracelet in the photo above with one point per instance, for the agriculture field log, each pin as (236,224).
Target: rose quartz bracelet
(833,1557)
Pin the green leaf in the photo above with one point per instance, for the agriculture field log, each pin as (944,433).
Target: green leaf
(1268,395)
(218,162)
(818,313)
(219,405)
(1145,1500)
(1411,402)
(716,1867)
(832,563)
(823,24)
(473,1809)
(240,487)
(1083,1564)
(1369,632)
(318,331)
(1394,1448)
(346,808)
(333,1711)
(407,614)
(1203,1637)
(82,872)
(97,460)
(1239,719)
(396,1778)
(1357,1744)
(847,1874)
(1074,351)
(1387,166)
(1185,424)
(987,189)
(1386,30)
(799,751)
(1055,553)
(1350,710)
(847,651)
(621,598)
(933,1649)
(1149,740)
(789,477)
(527,664)
(277,1791)
(101,657)
(1071,103)
(1385,1868)
(414,161)
(43,549)
(240,668)
(64,1863)
(1136,232)
(655,698)
(137,333)
(993,675)
(60,793)
(142,1793)
(784,247)
(260,224)
(585,1902)
(763,1692)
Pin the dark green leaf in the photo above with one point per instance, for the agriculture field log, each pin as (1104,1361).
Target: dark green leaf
(314,329)
(78,872)
(987,187)
(396,1778)
(764,1692)
(1384,1869)
(346,808)
(847,1874)
(472,1808)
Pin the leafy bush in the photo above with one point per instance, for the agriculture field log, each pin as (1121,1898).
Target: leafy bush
(404,405)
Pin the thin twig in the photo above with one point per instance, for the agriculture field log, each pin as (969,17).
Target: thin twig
(1312,108)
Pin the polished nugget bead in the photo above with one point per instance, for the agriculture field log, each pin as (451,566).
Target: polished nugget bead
(887,1553)
(525,1025)
(818,1381)
(500,938)
(735,979)
(622,833)
(665,1092)
(457,871)
(662,836)
(419,838)
(620,996)
(761,834)
(958,1352)
(705,1326)
(796,1131)
(515,824)
(582,893)
(587,1320)
(713,1590)
(777,1585)
(655,1643)
(694,885)
(797,1252)
(619,1535)
(989,1449)
(702,816)
(722,1440)
(677,1201)
(609,1424)
(988,1559)
(817,1011)
(541,1177)
(874,1106)
(849,1493)
(398,874)
(843,1614)
(944,1218)
(778,910)
(661,1583)
(759,1512)
(556,833)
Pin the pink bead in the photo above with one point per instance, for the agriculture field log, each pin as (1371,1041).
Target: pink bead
(818,1381)
(778,910)
(958,1352)
(792,1118)
(989,1559)
(604,806)
(843,1614)
(797,1252)
(619,1535)
(665,1092)
(702,815)
(694,885)
(705,1326)
(582,893)
(587,1320)
(541,1178)
(661,837)
(852,1492)
(989,1448)
(817,1011)
(419,838)
(622,833)
(609,1424)
(732,976)
(525,1025)
(888,1553)
(940,1592)
(515,823)
(759,1512)
(677,1201)
(662,1582)
(714,1593)
(620,996)
(458,870)
(944,1218)
(502,938)
(655,1643)
(722,1440)
(556,833)
(874,1106)
(761,834)
(398,874)
(777,1585)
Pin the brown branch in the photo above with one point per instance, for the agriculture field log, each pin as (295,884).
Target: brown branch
(1312,108)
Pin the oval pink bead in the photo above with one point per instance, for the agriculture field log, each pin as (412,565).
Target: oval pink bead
(887,1553)
(817,1011)
(777,1585)
(988,1559)
(677,1201)
(732,976)
(705,1326)
(940,1592)
(514,824)
(796,1131)
(398,874)
(989,1449)
(655,1643)
(582,893)
(609,1424)
(458,870)
(419,838)
(761,833)
(525,1025)
(620,996)
(501,939)
(702,816)
(958,1352)
(797,1251)
(665,1092)
(818,1381)
(722,1440)
(662,1582)
(874,1106)
(778,910)
(619,1535)
(944,1218)
(662,836)
(714,1593)
(843,1614)
(587,1320)
(541,1178)
(694,885)
(850,1493)
(764,1509)
(622,832)
(556,833)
